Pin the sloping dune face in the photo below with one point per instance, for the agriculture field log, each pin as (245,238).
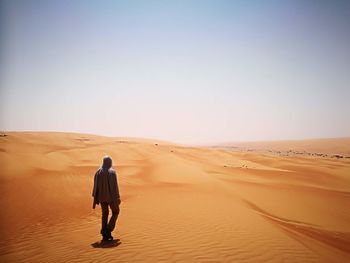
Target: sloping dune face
(179,204)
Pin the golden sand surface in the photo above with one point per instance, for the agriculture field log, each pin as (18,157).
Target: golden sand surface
(317,147)
(179,204)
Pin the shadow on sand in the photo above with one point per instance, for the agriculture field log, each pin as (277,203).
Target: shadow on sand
(106,244)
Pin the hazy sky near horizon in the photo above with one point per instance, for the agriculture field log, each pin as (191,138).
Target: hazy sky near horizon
(184,71)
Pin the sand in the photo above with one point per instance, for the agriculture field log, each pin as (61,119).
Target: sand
(179,204)
(336,147)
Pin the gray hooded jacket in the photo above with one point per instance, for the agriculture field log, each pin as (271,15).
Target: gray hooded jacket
(106,184)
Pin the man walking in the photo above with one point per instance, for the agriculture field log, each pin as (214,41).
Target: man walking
(106,193)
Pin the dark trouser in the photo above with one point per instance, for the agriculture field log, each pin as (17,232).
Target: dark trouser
(105,211)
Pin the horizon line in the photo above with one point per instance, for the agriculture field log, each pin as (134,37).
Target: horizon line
(222,143)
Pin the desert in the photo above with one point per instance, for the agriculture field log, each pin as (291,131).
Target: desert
(179,203)
(174,131)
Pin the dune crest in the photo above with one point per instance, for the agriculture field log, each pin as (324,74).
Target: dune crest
(330,147)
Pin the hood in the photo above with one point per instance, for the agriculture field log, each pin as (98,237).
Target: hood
(107,162)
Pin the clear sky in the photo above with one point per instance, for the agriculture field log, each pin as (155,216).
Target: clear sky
(184,71)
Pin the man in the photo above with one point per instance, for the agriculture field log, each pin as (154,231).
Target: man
(106,193)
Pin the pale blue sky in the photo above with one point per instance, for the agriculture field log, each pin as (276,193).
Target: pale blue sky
(184,71)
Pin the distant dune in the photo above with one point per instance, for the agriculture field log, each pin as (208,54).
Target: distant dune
(179,204)
(331,146)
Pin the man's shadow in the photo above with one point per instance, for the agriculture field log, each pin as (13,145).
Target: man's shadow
(106,244)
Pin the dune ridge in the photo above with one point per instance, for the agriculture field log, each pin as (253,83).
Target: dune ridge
(328,147)
(179,203)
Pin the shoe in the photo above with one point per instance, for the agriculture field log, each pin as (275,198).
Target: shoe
(109,235)
(105,234)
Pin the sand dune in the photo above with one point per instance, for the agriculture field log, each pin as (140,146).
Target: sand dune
(179,204)
(330,147)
